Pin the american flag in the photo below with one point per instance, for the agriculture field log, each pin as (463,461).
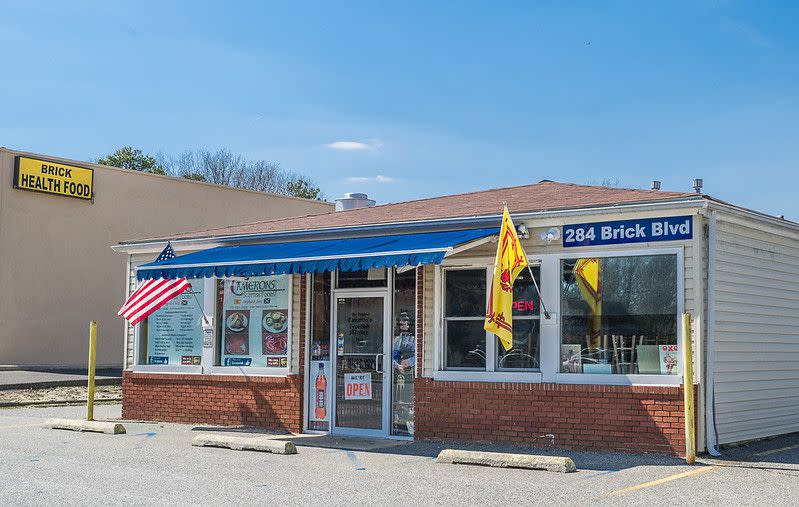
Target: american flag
(153,294)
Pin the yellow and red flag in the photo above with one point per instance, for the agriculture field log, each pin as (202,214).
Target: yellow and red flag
(589,281)
(510,261)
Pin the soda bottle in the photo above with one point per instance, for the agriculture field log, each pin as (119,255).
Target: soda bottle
(321,394)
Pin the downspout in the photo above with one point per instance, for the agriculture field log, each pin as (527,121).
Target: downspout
(710,412)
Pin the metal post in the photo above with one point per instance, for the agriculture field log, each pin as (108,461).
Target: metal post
(688,390)
(92,360)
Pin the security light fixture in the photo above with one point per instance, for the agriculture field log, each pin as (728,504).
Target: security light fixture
(550,235)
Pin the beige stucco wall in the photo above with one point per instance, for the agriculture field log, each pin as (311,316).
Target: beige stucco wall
(57,270)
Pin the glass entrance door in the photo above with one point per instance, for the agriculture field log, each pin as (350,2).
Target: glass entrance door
(360,363)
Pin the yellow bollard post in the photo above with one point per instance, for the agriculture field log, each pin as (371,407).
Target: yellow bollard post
(92,359)
(688,390)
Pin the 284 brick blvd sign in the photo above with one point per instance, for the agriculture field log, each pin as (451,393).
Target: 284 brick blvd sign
(642,230)
(51,177)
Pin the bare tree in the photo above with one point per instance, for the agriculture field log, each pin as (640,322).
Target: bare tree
(226,168)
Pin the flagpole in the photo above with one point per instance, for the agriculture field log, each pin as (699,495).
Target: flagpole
(540,297)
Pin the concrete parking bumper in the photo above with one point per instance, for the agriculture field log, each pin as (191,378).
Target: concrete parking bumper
(507,460)
(263,444)
(110,428)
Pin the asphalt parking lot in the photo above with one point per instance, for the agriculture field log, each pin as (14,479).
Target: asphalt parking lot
(155,464)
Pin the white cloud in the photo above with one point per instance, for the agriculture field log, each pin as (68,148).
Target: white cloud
(371,179)
(372,144)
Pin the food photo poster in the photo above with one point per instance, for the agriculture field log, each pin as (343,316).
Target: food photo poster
(255,329)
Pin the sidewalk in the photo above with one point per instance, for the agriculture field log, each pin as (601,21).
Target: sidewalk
(31,377)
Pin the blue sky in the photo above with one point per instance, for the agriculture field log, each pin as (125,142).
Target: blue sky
(407,99)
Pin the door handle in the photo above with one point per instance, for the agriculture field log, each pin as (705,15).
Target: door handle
(379,363)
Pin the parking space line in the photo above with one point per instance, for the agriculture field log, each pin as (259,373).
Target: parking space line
(775,451)
(670,478)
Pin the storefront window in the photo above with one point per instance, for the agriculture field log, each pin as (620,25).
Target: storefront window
(619,315)
(254,320)
(376,277)
(174,333)
(464,314)
(403,354)
(524,354)
(320,372)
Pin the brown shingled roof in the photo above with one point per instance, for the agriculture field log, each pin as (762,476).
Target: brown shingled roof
(542,196)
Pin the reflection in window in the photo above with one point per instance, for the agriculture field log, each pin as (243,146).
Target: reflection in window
(619,315)
(403,353)
(319,364)
(524,354)
(464,315)
(373,277)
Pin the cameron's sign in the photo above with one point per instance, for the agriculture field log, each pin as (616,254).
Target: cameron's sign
(53,178)
(642,230)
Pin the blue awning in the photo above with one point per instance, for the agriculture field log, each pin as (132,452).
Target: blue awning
(351,254)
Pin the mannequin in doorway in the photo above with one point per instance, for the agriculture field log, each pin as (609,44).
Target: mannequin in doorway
(404,365)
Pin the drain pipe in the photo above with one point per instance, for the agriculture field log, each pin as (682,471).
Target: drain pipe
(711,433)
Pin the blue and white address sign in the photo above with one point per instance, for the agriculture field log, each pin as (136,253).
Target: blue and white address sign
(642,230)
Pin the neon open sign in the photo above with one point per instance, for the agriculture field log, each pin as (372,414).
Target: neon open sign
(524,306)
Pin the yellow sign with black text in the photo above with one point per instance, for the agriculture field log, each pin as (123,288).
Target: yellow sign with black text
(54,178)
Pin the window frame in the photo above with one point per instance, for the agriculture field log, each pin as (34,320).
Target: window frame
(210,355)
(490,372)
(264,371)
(622,378)
(550,329)
(139,354)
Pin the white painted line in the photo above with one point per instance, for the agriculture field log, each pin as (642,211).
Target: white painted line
(690,473)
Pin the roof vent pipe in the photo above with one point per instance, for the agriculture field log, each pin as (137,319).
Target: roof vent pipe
(655,185)
(352,200)
(698,185)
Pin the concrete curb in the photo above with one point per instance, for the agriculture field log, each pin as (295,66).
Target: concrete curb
(263,444)
(80,425)
(507,460)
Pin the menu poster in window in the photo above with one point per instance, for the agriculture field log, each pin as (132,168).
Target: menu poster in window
(669,360)
(175,331)
(256,326)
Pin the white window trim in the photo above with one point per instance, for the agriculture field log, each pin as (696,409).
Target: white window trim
(550,339)
(209,355)
(490,374)
(617,378)
(173,368)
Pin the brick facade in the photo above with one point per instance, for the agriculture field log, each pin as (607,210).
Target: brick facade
(268,402)
(613,418)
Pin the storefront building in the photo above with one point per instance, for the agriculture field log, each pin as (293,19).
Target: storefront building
(370,322)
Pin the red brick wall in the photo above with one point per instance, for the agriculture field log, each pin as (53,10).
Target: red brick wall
(617,418)
(267,402)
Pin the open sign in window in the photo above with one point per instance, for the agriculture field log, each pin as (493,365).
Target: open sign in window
(357,386)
